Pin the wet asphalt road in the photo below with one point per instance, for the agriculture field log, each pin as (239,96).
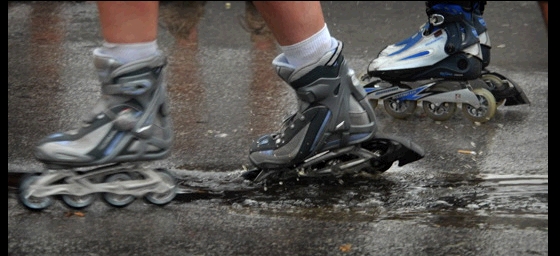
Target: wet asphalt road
(225,93)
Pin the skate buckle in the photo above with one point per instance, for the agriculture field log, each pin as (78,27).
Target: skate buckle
(436,19)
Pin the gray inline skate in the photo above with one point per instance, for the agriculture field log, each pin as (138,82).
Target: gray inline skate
(334,132)
(103,156)
(442,65)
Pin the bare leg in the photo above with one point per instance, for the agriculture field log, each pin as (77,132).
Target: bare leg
(292,22)
(128,21)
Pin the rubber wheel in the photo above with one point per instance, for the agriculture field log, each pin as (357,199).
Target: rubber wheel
(163,198)
(31,202)
(117,200)
(443,112)
(496,83)
(399,109)
(487,109)
(78,202)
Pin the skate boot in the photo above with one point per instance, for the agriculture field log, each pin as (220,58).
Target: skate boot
(332,114)
(445,47)
(434,66)
(334,120)
(130,123)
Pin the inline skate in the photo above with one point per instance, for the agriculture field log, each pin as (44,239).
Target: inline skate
(334,132)
(103,156)
(442,65)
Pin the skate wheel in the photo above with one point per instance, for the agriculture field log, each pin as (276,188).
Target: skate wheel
(166,197)
(399,109)
(487,109)
(496,84)
(78,202)
(443,112)
(29,201)
(117,200)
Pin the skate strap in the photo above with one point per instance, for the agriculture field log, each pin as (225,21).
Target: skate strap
(132,86)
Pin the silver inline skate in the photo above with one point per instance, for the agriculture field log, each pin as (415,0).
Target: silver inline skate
(128,126)
(334,132)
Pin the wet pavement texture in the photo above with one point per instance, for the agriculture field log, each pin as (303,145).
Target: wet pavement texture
(493,200)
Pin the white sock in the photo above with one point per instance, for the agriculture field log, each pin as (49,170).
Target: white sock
(310,49)
(126,53)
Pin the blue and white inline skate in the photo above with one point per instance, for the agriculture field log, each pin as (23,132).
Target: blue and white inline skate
(334,132)
(442,65)
(103,156)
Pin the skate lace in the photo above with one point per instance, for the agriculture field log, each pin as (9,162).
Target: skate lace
(288,123)
(99,111)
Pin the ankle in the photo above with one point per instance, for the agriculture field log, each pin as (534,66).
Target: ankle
(126,53)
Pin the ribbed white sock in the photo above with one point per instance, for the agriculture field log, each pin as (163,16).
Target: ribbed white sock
(126,53)
(310,49)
